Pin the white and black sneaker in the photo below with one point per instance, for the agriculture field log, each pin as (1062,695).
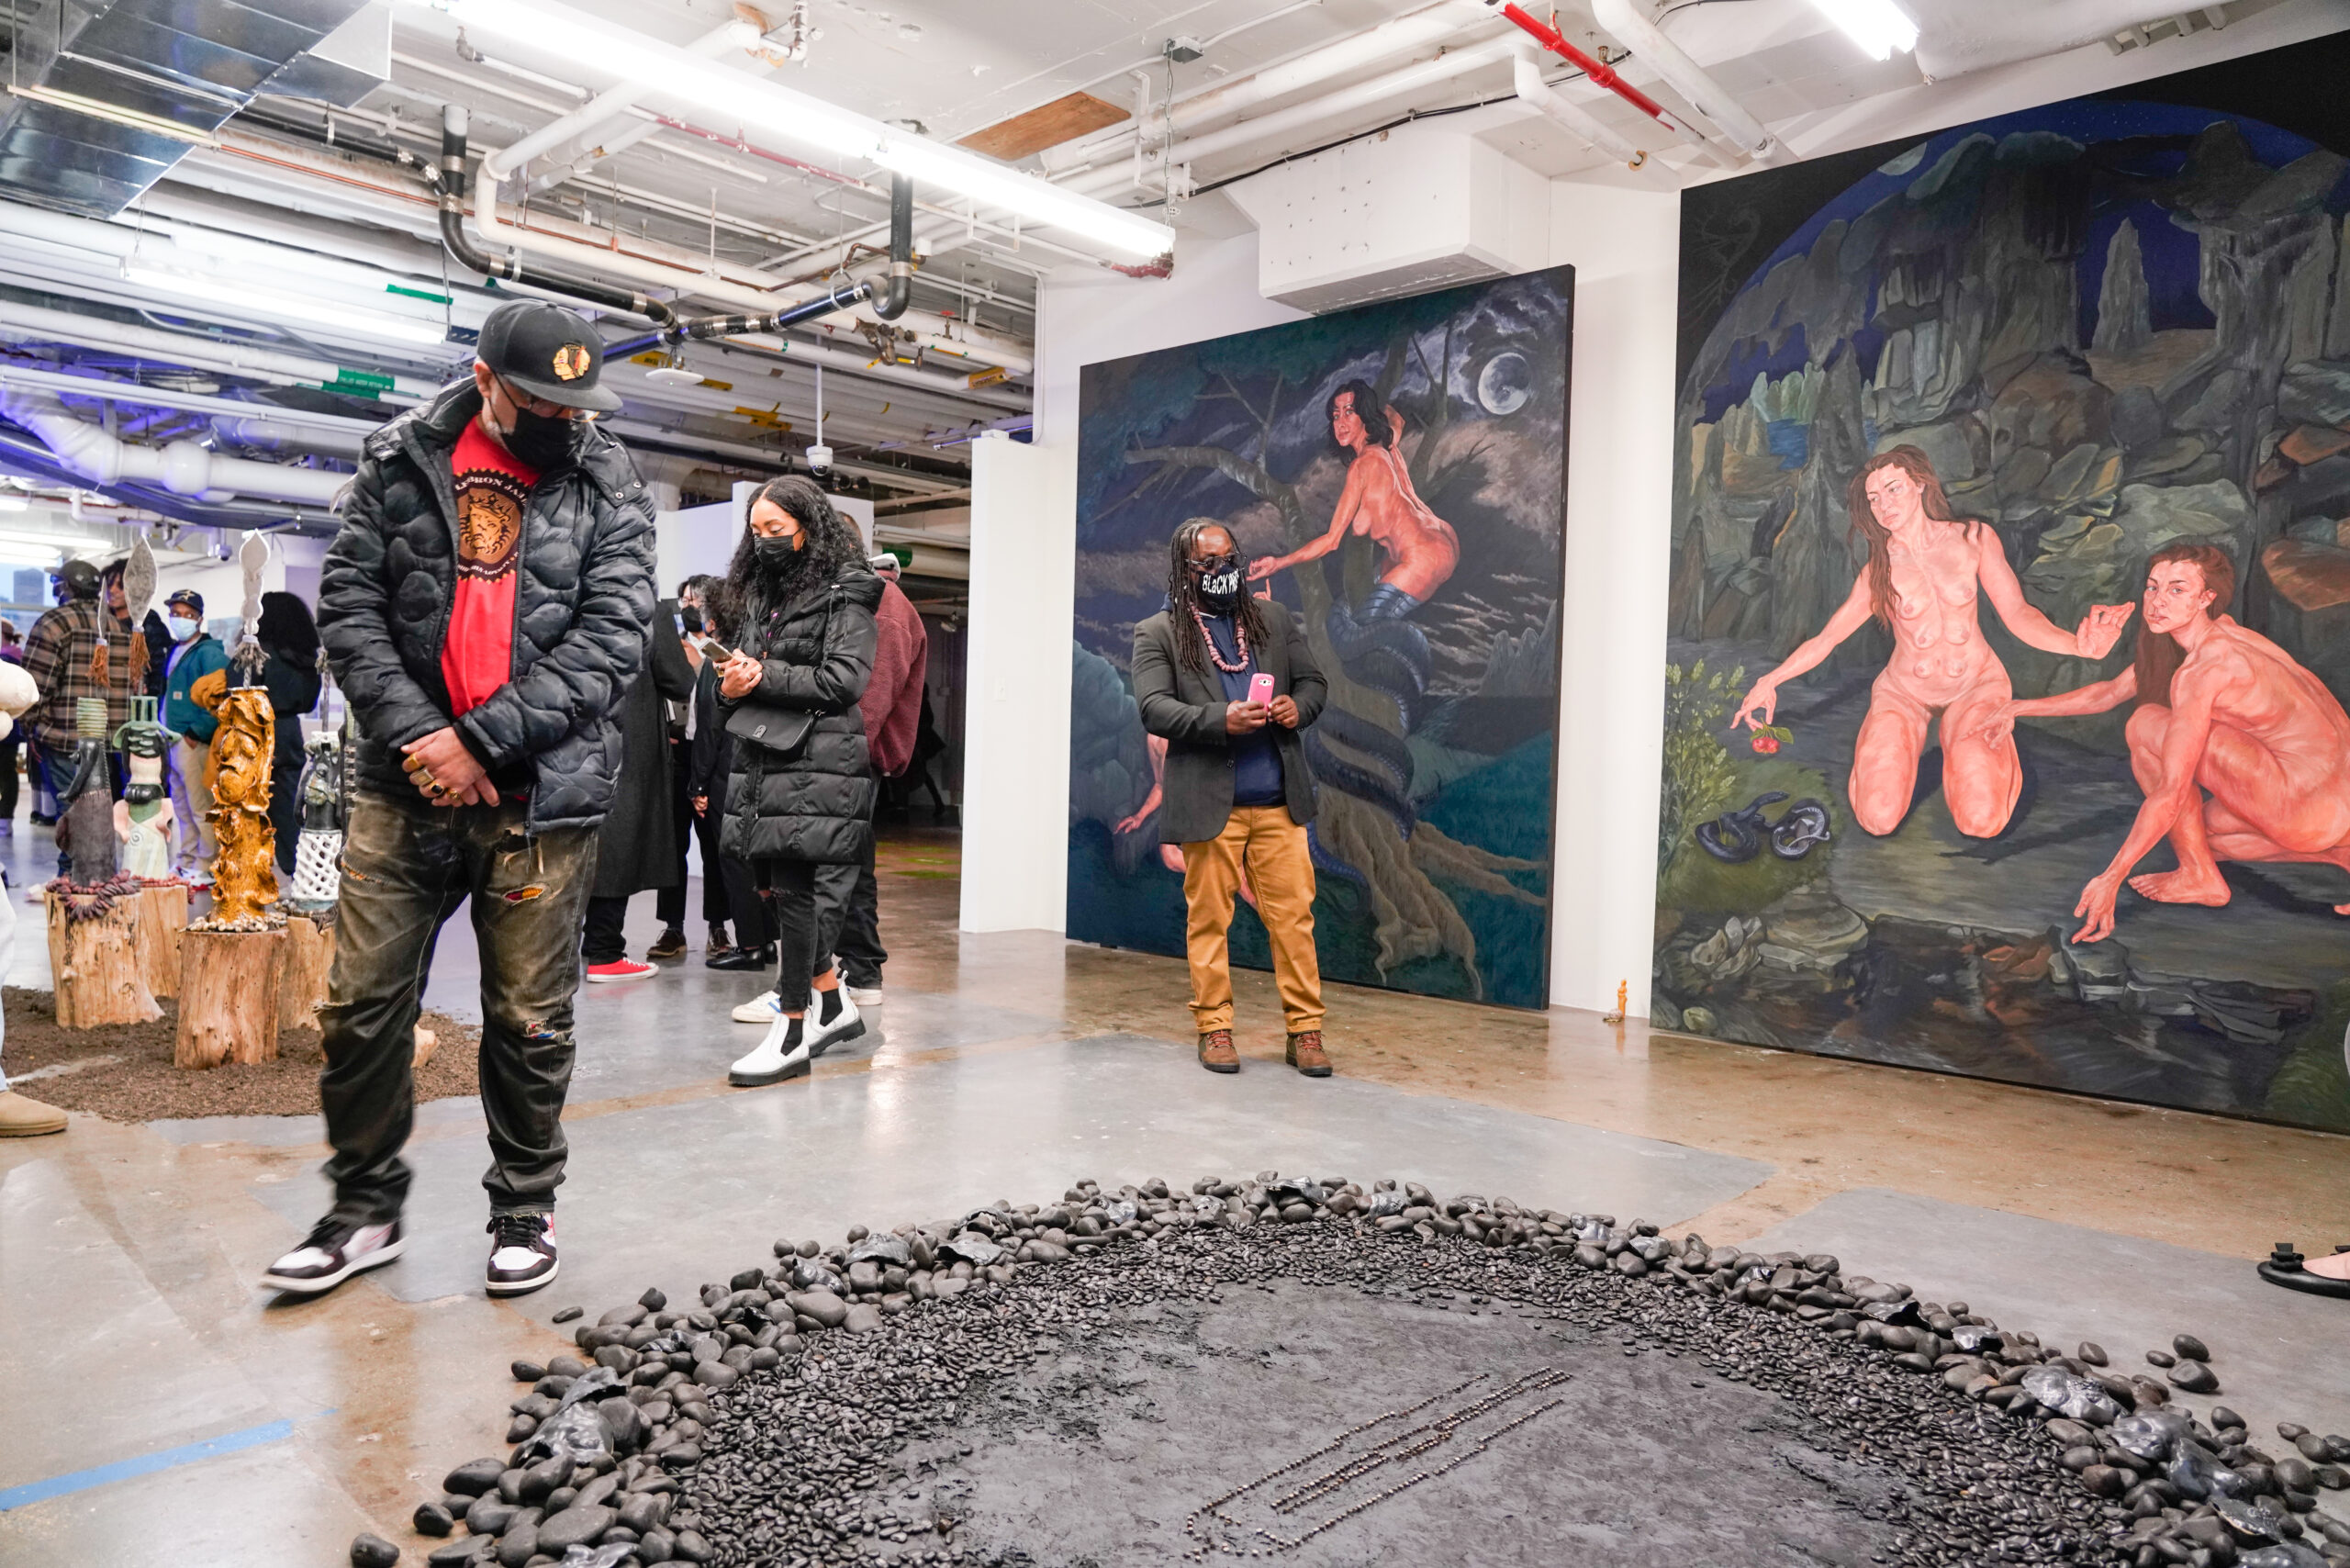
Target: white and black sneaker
(522,1253)
(822,1033)
(783,1054)
(333,1251)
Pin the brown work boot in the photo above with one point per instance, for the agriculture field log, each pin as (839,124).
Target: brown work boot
(1305,1054)
(20,1117)
(1217,1053)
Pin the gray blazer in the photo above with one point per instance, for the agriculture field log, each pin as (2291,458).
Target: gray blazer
(1186,707)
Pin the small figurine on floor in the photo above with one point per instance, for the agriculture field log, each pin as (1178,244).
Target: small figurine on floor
(143,818)
(1623,994)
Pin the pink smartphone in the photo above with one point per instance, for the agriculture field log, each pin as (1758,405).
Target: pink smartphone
(1260,687)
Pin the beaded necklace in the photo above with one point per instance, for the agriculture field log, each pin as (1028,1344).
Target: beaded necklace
(1240,638)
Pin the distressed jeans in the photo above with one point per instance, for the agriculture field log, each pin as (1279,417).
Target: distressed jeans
(405,871)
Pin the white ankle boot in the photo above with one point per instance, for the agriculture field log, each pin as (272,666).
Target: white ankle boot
(783,1054)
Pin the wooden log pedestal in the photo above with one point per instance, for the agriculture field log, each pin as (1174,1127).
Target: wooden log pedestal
(161,916)
(96,970)
(230,983)
(309,954)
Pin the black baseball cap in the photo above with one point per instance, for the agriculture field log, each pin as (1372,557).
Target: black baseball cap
(547,352)
(187,599)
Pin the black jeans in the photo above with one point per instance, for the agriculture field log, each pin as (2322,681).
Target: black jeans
(859,946)
(605,941)
(8,777)
(669,903)
(805,927)
(405,871)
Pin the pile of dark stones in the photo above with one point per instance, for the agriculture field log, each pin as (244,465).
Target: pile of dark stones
(765,1423)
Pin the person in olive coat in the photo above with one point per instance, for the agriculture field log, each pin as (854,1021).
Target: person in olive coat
(798,796)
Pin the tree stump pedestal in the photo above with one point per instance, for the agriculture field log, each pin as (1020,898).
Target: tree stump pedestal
(161,915)
(230,984)
(95,966)
(309,954)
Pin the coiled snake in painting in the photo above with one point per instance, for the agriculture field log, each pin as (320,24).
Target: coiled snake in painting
(1736,837)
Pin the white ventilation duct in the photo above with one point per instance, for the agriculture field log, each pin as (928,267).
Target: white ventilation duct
(1958,35)
(182,467)
(1540,95)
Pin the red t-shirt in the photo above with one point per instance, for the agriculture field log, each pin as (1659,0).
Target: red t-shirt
(492,491)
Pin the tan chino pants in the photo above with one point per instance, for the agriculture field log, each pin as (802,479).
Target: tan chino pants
(1281,870)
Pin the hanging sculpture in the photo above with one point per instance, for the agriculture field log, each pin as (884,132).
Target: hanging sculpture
(143,818)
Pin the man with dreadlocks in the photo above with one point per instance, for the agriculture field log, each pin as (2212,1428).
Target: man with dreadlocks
(1237,788)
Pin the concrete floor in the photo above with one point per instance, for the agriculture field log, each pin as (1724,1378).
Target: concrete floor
(160,1408)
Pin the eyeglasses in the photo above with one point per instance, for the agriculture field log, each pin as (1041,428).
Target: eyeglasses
(542,407)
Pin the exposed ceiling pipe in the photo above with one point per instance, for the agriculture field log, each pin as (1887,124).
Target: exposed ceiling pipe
(1315,114)
(273,365)
(251,430)
(888,301)
(1633,29)
(1539,95)
(57,384)
(311,180)
(182,467)
(1601,73)
(586,124)
(1196,111)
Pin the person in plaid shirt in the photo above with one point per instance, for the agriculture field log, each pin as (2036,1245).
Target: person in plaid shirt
(57,656)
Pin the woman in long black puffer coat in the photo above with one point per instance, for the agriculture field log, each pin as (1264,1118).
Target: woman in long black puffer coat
(799,604)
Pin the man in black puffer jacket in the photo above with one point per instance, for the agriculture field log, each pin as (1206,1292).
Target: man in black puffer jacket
(485,606)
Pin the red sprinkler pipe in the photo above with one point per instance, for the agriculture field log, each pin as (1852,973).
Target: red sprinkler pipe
(1550,37)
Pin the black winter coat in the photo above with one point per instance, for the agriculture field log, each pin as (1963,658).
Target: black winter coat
(637,847)
(583,604)
(817,803)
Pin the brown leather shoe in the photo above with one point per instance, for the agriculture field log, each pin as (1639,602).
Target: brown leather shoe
(1305,1054)
(1217,1053)
(22,1117)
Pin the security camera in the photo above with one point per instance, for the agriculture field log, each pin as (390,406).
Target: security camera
(820,458)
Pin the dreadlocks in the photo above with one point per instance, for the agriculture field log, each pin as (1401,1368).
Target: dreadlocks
(1183,599)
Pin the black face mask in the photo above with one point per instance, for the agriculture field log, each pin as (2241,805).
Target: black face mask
(775,554)
(690,618)
(544,441)
(1219,579)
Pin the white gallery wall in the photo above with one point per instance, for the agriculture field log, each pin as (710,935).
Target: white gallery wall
(1620,231)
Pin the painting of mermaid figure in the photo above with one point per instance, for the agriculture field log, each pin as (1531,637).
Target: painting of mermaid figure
(1396,476)
(2009,629)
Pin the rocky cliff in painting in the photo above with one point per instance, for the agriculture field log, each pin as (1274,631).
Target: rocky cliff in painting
(2110,326)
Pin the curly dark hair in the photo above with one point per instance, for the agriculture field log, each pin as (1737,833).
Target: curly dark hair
(751,591)
(286,627)
(1183,598)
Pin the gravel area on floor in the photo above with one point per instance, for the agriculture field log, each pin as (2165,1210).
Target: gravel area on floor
(125,1073)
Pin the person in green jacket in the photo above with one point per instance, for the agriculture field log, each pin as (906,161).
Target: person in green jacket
(195,654)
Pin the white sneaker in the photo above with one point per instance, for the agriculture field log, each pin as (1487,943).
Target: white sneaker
(331,1253)
(846,1025)
(522,1253)
(783,1054)
(866,995)
(760,1009)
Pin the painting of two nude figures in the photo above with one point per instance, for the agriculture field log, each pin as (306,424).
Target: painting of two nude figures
(2009,619)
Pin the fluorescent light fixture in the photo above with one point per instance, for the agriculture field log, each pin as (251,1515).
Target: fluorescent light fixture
(717,91)
(994,185)
(1879,26)
(270,304)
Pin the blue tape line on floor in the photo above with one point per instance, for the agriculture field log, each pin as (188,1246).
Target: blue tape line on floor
(144,1464)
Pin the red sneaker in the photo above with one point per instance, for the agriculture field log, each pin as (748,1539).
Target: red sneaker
(619,969)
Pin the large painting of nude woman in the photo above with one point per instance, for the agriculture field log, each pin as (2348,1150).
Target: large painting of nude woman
(2008,618)
(1395,475)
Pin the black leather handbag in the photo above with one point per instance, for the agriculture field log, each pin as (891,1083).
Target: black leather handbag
(779,731)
